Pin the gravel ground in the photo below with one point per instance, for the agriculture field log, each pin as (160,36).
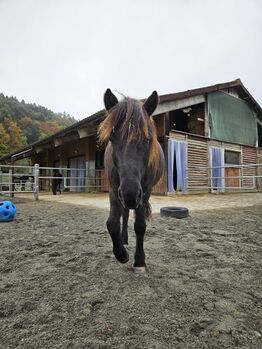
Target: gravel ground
(60,286)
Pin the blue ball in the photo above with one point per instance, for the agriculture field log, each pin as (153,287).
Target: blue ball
(7,211)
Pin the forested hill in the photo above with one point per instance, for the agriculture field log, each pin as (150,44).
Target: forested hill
(23,123)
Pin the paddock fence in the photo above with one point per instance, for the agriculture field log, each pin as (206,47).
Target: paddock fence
(36,180)
(220,179)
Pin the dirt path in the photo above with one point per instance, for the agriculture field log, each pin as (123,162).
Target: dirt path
(60,286)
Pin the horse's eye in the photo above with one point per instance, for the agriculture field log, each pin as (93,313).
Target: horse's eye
(147,140)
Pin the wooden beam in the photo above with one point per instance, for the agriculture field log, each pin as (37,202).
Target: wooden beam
(178,104)
(58,142)
(39,149)
(65,139)
(87,132)
(83,132)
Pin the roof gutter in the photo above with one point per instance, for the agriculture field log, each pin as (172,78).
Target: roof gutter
(22,152)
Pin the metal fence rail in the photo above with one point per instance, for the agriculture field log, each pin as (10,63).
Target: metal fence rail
(255,179)
(36,180)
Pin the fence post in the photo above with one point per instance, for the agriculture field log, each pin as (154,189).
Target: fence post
(11,194)
(36,181)
(1,181)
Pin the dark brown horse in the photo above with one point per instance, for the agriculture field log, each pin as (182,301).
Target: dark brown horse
(134,163)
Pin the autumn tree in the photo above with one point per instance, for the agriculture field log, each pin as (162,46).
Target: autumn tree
(4,141)
(16,138)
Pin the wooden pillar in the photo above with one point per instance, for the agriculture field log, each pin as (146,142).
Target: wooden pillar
(206,123)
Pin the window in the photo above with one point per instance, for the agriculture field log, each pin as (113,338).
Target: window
(190,119)
(232,157)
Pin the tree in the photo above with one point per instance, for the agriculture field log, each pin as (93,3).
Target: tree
(48,128)
(31,129)
(16,138)
(4,143)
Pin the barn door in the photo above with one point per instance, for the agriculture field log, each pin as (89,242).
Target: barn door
(77,173)
(177,166)
(232,160)
(217,171)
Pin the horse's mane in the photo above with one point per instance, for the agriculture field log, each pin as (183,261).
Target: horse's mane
(130,118)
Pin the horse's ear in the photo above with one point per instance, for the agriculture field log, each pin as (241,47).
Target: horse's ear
(110,99)
(151,103)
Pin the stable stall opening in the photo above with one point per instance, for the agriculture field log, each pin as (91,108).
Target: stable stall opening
(190,119)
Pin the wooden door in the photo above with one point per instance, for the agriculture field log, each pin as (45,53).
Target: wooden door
(232,172)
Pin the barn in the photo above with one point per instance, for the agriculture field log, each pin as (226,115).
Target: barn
(211,137)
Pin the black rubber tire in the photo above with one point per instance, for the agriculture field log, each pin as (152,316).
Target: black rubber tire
(175,212)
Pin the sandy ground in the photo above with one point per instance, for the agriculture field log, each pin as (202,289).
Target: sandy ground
(192,202)
(60,286)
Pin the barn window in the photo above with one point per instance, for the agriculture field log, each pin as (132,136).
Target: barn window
(232,157)
(190,119)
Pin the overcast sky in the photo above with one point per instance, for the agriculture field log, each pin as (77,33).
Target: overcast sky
(63,54)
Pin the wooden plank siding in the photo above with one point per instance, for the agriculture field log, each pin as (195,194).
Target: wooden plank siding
(249,156)
(259,170)
(198,161)
(102,181)
(197,156)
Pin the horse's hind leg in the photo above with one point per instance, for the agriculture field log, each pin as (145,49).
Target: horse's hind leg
(113,226)
(140,229)
(125,226)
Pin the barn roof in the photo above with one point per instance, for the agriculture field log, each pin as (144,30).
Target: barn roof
(93,119)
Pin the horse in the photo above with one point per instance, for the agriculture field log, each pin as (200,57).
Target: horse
(134,163)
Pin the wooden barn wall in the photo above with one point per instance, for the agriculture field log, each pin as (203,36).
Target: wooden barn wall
(102,181)
(84,146)
(197,156)
(197,163)
(259,170)
(198,159)
(249,156)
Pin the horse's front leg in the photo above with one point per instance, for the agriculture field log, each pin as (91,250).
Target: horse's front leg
(113,226)
(125,226)
(140,229)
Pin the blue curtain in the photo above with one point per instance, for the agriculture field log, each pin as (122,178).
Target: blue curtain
(170,166)
(177,149)
(217,168)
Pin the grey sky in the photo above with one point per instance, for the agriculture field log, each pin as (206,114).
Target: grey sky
(63,54)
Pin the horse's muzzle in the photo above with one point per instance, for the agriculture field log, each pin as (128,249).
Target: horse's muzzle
(130,199)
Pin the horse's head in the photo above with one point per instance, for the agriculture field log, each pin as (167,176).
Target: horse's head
(132,135)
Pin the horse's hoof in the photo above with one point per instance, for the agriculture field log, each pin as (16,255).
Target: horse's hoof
(122,257)
(139,270)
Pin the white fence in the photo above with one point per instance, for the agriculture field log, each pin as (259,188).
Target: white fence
(36,179)
(219,182)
